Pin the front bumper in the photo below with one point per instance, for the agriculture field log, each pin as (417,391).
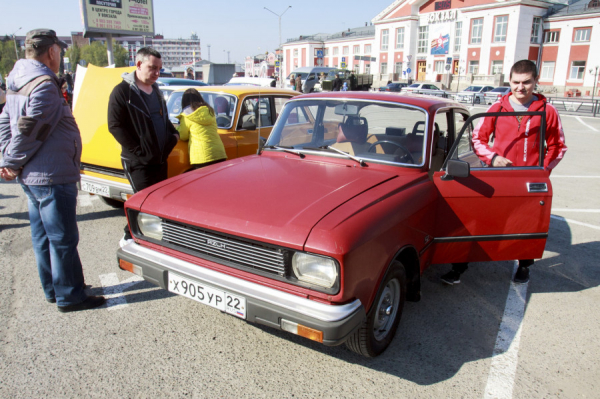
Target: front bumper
(264,305)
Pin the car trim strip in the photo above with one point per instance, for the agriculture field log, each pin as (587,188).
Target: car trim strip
(302,305)
(493,237)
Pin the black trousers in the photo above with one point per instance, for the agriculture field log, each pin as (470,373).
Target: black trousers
(460,268)
(143,176)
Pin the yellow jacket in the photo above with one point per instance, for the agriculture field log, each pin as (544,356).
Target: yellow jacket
(200,128)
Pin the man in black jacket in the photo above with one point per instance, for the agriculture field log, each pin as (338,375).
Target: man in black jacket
(337,83)
(139,120)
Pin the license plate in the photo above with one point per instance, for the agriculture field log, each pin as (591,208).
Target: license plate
(213,297)
(95,188)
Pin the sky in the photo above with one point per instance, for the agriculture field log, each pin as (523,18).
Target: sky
(241,27)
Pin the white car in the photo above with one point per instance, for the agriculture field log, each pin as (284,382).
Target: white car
(425,88)
(494,95)
(477,91)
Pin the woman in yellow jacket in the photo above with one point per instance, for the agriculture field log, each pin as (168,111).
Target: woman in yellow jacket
(197,122)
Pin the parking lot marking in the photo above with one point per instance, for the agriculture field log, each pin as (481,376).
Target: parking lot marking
(585,124)
(84,199)
(576,177)
(575,210)
(113,289)
(503,369)
(571,221)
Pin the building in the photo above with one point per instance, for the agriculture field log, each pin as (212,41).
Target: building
(260,65)
(465,41)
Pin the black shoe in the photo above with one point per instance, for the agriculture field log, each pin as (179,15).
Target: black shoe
(451,278)
(89,303)
(522,275)
(51,300)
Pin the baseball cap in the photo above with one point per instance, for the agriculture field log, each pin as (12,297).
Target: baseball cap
(42,37)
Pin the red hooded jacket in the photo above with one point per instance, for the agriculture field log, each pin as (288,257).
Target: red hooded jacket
(519,141)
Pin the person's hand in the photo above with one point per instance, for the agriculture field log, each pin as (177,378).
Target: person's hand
(177,135)
(8,173)
(501,161)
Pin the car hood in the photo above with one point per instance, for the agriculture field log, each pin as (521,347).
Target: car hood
(268,198)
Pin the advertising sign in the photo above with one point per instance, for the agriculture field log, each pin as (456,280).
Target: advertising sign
(120,17)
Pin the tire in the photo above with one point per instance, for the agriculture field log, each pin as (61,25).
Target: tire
(378,330)
(112,202)
(477,100)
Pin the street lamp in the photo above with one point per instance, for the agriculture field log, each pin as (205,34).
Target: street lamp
(280,49)
(15,40)
(227,51)
(594,71)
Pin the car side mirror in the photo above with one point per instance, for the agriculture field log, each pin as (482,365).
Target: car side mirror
(456,168)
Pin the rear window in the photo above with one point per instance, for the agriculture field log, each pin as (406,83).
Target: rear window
(501,89)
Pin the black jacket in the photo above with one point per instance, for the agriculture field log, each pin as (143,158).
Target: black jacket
(130,123)
(337,84)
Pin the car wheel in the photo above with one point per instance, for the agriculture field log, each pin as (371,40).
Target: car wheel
(378,330)
(112,202)
(477,100)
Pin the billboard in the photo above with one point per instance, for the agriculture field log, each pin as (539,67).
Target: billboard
(118,17)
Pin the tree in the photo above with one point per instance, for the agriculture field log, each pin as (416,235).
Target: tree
(7,55)
(96,54)
(74,55)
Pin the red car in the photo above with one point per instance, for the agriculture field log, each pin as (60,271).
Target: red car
(325,233)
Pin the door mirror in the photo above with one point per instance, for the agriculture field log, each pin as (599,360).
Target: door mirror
(457,168)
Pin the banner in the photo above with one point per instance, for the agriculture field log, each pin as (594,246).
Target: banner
(126,17)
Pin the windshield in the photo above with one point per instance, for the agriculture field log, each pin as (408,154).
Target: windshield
(414,85)
(501,89)
(372,131)
(224,107)
(473,88)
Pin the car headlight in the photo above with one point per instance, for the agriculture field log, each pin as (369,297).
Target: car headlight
(150,226)
(314,269)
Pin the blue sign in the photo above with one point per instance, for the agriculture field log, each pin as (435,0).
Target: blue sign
(319,53)
(408,70)
(441,45)
(343,59)
(131,63)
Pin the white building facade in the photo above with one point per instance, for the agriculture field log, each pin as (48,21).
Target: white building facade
(478,40)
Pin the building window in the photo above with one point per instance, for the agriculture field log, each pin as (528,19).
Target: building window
(457,36)
(368,69)
(551,37)
(367,49)
(476,30)
(438,66)
(326,52)
(384,39)
(583,35)
(346,50)
(356,69)
(497,67)
(501,27)
(423,39)
(336,50)
(383,68)
(547,70)
(474,67)
(398,68)
(400,38)
(295,52)
(577,70)
(356,49)
(535,30)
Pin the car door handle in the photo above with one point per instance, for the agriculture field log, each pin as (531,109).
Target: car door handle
(537,187)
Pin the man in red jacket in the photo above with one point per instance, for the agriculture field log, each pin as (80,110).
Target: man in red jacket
(516,140)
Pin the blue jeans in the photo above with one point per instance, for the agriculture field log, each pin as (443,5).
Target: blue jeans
(54,233)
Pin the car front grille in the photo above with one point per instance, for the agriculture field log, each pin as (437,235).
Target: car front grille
(102,170)
(232,250)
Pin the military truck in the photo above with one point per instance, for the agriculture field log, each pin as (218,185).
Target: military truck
(356,81)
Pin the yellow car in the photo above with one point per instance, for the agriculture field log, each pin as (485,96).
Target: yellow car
(244,115)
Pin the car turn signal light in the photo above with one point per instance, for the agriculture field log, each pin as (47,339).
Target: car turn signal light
(302,331)
(130,267)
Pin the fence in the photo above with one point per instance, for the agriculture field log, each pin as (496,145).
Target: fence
(579,106)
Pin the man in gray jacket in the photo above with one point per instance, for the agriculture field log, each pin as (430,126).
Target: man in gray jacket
(41,148)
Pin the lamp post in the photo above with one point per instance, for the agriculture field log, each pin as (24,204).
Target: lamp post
(280,49)
(15,40)
(594,71)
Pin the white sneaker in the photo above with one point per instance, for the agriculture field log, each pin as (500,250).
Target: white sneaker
(123,241)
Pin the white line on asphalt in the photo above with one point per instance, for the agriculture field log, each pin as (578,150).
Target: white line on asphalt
(575,177)
(503,369)
(575,210)
(571,221)
(113,289)
(585,124)
(84,200)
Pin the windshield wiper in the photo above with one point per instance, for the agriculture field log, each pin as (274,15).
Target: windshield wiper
(330,148)
(285,149)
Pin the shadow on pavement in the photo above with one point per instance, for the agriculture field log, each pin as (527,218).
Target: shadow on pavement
(100,215)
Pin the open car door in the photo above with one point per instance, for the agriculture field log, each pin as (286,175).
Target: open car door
(490,214)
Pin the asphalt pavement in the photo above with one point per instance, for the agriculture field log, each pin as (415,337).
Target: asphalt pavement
(484,337)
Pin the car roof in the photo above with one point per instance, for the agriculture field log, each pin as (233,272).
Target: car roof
(181,82)
(430,103)
(238,90)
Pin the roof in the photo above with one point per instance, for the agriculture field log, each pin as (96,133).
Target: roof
(351,33)
(430,103)
(575,8)
(241,90)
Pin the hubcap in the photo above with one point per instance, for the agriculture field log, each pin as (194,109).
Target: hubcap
(387,310)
